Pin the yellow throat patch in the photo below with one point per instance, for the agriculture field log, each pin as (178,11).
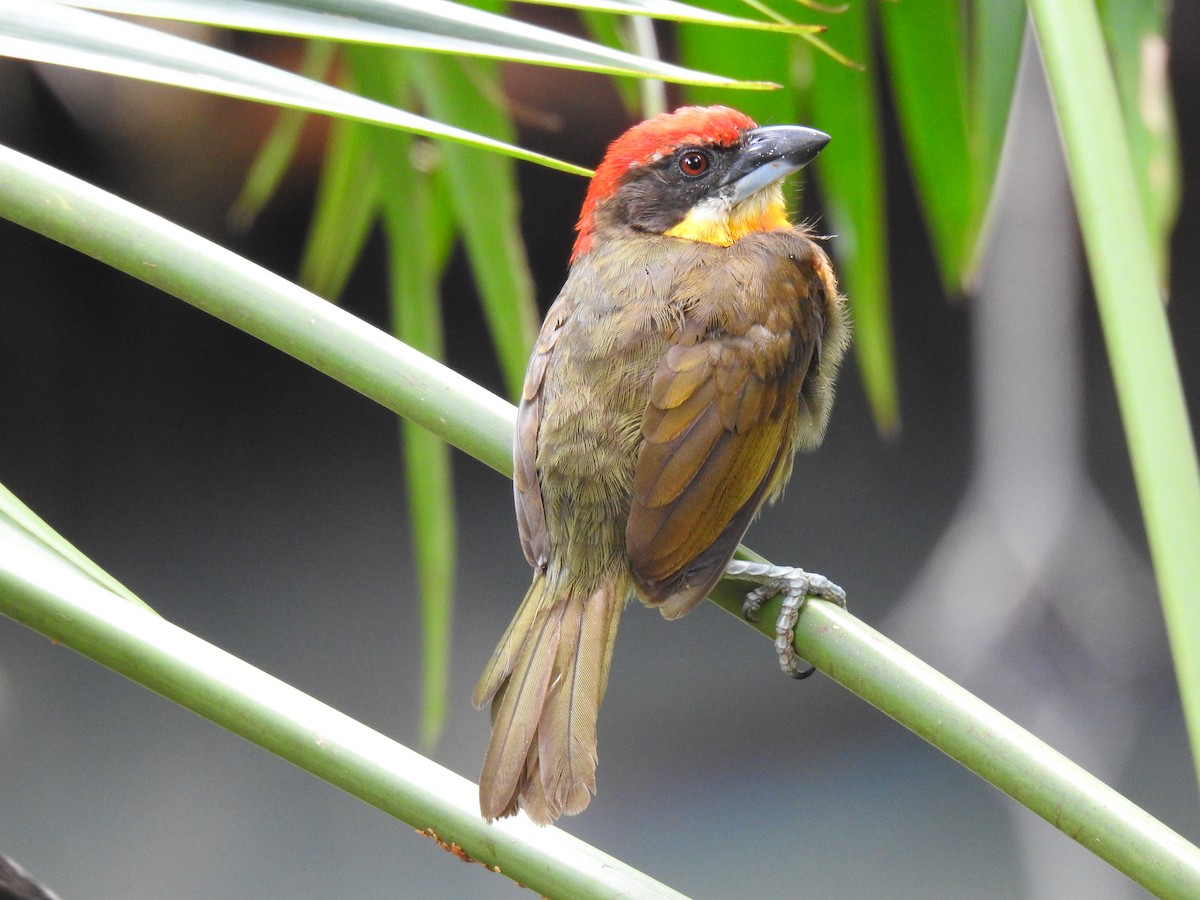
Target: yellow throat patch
(712,222)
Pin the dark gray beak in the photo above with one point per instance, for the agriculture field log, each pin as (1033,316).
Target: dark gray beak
(769,154)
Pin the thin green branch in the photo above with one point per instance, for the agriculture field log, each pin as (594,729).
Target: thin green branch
(1134,321)
(42,591)
(258,302)
(988,743)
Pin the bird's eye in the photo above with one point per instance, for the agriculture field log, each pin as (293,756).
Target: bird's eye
(694,163)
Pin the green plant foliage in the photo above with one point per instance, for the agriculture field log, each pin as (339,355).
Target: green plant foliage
(41,590)
(61,35)
(996,29)
(1121,258)
(418,227)
(275,155)
(464,99)
(952,96)
(468,92)
(926,46)
(420,233)
(845,103)
(439,26)
(18,517)
(347,205)
(951,66)
(1135,34)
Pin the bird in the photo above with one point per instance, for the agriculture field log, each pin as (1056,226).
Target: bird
(691,351)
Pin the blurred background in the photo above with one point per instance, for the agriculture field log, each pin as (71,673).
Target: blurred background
(258,504)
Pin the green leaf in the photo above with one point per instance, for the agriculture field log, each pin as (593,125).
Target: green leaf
(430,486)
(419,229)
(766,55)
(846,105)
(680,12)
(1135,33)
(607,29)
(346,206)
(15,514)
(279,147)
(1121,258)
(997,32)
(483,189)
(438,26)
(60,35)
(927,60)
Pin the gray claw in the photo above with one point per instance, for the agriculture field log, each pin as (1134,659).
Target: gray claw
(795,585)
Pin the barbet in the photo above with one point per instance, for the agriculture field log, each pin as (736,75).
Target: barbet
(691,352)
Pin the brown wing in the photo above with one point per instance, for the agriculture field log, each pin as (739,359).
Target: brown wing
(527,489)
(717,433)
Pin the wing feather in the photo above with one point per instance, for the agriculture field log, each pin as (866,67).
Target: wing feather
(720,426)
(527,488)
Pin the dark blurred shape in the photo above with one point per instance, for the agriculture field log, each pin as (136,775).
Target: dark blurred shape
(17,884)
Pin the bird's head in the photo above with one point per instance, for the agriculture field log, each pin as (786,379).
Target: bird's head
(700,173)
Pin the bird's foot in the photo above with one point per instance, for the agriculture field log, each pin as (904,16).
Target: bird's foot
(796,586)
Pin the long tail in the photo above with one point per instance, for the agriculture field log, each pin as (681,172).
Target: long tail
(545,683)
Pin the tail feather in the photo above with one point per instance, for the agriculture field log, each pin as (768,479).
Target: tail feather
(504,657)
(516,708)
(546,681)
(567,730)
(531,793)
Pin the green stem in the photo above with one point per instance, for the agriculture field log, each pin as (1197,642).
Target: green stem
(257,302)
(42,591)
(1134,321)
(989,744)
